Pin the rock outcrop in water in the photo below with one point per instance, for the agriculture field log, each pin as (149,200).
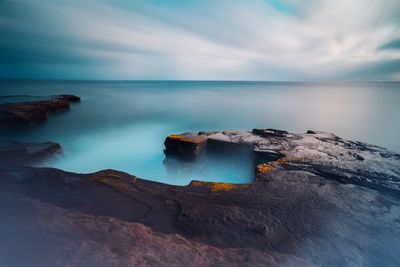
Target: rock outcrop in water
(18,153)
(319,153)
(316,199)
(20,111)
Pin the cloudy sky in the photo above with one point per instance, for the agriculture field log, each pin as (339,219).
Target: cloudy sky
(201,40)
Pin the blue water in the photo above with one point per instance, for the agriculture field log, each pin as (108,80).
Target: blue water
(122,125)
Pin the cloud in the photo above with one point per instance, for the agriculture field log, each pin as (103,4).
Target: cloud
(205,40)
(394,44)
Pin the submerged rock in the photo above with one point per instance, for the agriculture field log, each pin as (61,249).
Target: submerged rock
(19,111)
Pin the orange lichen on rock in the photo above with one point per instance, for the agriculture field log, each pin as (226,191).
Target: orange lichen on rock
(197,139)
(218,186)
(282,161)
(268,167)
(190,138)
(264,168)
(175,137)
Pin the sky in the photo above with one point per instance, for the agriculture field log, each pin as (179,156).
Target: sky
(201,40)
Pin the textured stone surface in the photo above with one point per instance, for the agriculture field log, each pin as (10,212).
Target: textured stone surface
(185,146)
(20,111)
(320,153)
(18,153)
(327,202)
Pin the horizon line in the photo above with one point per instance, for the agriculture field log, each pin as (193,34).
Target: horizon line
(188,80)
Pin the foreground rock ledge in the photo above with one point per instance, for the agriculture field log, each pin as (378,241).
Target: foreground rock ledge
(21,111)
(311,203)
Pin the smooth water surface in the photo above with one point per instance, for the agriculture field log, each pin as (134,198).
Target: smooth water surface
(122,125)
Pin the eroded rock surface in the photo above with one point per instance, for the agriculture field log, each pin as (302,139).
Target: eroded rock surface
(320,153)
(20,111)
(305,207)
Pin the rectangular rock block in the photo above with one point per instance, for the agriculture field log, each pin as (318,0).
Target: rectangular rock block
(185,146)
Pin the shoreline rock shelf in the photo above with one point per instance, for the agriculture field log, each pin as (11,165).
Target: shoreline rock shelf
(291,214)
(320,153)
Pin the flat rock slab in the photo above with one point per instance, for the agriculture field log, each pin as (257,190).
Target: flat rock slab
(19,153)
(185,146)
(320,153)
(20,111)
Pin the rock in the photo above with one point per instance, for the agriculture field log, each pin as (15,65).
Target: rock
(219,145)
(316,205)
(269,132)
(185,146)
(36,233)
(69,98)
(17,153)
(217,186)
(293,217)
(321,153)
(19,111)
(265,155)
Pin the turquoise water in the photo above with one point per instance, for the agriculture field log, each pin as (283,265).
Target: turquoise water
(122,125)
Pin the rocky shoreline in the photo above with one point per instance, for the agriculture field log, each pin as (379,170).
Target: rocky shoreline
(316,200)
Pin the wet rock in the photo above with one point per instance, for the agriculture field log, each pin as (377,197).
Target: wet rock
(294,217)
(221,144)
(20,111)
(322,153)
(185,146)
(269,132)
(318,204)
(217,186)
(265,155)
(18,153)
(36,233)
(69,98)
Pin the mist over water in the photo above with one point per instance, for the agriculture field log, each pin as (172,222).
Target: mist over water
(122,125)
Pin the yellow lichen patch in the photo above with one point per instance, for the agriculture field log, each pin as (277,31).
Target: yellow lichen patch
(196,139)
(282,161)
(175,137)
(268,167)
(264,168)
(218,186)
